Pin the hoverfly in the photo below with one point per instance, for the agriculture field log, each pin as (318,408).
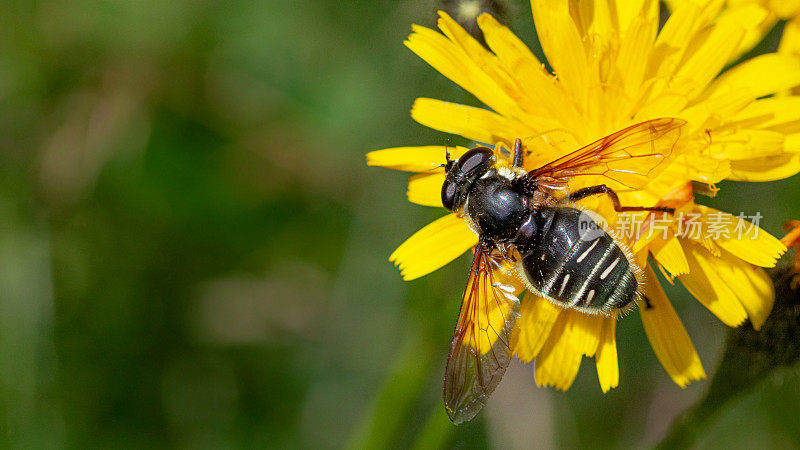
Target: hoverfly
(528,221)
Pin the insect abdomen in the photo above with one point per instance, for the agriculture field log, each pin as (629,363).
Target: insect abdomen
(590,273)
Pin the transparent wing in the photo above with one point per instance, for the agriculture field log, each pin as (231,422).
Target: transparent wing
(479,351)
(629,158)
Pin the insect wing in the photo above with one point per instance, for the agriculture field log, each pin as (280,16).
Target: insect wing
(479,351)
(630,157)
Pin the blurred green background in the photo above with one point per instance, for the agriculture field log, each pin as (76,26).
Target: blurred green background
(194,254)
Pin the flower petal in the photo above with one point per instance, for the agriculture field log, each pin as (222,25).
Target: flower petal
(759,22)
(562,44)
(413,159)
(594,19)
(559,361)
(532,328)
(705,284)
(752,286)
(785,9)
(764,75)
(606,359)
(453,62)
(780,114)
(712,112)
(634,49)
(751,143)
(435,245)
(670,255)
(473,123)
(426,188)
(706,55)
(769,168)
(664,60)
(560,358)
(629,10)
(744,239)
(586,329)
(669,339)
(542,96)
(790,40)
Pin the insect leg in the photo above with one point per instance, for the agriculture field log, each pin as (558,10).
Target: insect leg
(603,189)
(518,153)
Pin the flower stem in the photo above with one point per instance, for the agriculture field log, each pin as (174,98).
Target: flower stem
(749,357)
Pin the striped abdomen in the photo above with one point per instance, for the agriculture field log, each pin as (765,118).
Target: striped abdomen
(574,265)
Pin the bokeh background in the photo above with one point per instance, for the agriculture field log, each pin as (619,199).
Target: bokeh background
(193,253)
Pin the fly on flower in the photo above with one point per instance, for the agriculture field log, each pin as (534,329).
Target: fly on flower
(529,228)
(615,64)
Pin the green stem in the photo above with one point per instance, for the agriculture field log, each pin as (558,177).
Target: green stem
(749,357)
(438,430)
(381,425)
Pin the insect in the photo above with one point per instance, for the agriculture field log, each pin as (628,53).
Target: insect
(528,221)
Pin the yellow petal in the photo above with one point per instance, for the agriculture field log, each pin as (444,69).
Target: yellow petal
(504,43)
(594,18)
(700,164)
(670,255)
(678,29)
(634,50)
(764,75)
(791,143)
(742,238)
(559,361)
(781,114)
(765,169)
(713,112)
(586,329)
(506,99)
(669,339)
(473,123)
(790,40)
(435,245)
(757,22)
(751,143)
(606,359)
(752,286)
(784,9)
(755,35)
(575,335)
(537,316)
(453,62)
(413,159)
(426,188)
(562,44)
(671,43)
(540,94)
(629,10)
(705,284)
(706,54)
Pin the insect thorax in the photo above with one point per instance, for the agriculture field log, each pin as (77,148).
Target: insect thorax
(497,207)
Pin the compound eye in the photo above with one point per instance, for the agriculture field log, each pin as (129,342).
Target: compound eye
(449,195)
(474,159)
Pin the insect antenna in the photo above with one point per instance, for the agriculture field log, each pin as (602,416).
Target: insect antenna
(446,157)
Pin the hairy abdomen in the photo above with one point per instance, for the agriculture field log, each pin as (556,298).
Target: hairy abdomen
(583,269)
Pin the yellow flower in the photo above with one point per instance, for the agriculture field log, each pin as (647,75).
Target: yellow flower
(762,16)
(613,69)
